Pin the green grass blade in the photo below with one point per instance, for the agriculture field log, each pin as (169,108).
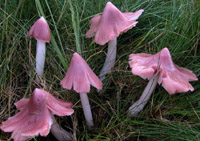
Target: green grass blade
(76,24)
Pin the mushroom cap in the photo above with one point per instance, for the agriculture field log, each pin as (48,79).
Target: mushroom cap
(40,30)
(111,23)
(35,116)
(80,76)
(173,78)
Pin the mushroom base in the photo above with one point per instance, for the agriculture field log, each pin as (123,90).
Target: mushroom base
(139,105)
(59,133)
(86,109)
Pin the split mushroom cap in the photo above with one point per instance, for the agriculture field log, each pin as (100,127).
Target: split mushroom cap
(174,79)
(35,116)
(80,76)
(40,30)
(111,23)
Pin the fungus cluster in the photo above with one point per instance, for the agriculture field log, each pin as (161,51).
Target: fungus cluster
(36,114)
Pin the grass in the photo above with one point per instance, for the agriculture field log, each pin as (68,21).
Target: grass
(165,23)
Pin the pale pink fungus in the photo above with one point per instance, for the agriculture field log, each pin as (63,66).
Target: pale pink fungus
(111,23)
(107,27)
(35,115)
(80,76)
(174,79)
(159,68)
(41,32)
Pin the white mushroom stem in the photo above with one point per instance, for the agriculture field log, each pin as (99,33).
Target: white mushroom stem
(40,57)
(110,59)
(86,109)
(59,133)
(139,105)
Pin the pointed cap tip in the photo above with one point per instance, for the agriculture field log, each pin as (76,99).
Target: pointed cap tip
(42,18)
(165,49)
(76,54)
(108,3)
(36,90)
(77,57)
(165,52)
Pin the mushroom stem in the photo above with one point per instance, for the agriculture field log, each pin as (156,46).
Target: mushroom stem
(110,59)
(40,57)
(139,105)
(59,133)
(86,109)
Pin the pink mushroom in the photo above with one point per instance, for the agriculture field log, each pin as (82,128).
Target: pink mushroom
(80,77)
(159,68)
(41,32)
(35,115)
(107,27)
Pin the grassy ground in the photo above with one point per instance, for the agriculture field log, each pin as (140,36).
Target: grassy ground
(165,23)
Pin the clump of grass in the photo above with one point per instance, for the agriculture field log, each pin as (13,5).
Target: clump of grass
(173,24)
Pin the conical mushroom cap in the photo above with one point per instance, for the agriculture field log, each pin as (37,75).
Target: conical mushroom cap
(35,116)
(111,23)
(80,76)
(173,78)
(40,30)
